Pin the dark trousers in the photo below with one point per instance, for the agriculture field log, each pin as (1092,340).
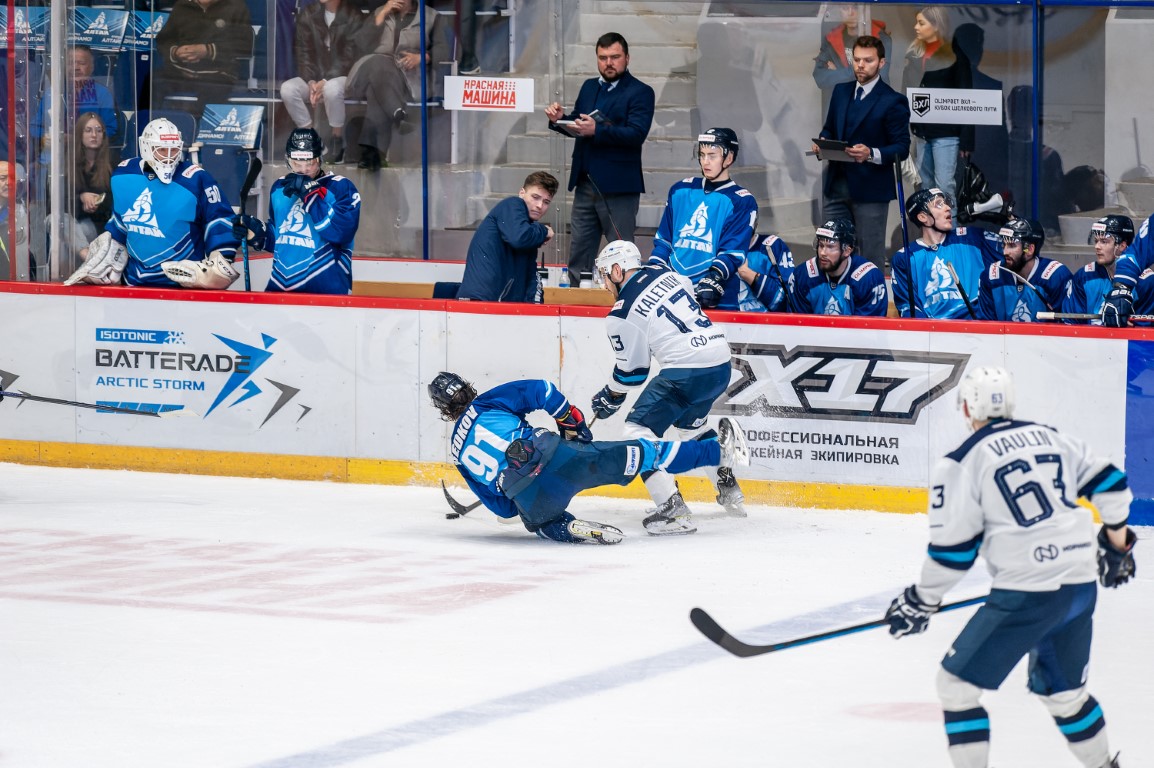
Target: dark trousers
(379,81)
(869,219)
(591,218)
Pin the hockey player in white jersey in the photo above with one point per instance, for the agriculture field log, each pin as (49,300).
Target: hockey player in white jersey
(656,317)
(171,225)
(1008,493)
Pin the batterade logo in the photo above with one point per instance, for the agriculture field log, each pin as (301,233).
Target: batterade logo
(920,104)
(844,384)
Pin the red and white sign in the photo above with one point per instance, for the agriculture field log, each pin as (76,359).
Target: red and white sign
(489,94)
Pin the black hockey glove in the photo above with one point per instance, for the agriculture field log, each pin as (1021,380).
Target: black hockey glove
(1115,567)
(573,426)
(711,288)
(1118,307)
(298,185)
(607,402)
(250,229)
(908,615)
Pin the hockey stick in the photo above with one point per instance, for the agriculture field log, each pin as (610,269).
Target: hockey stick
(780,279)
(1089,316)
(96,407)
(711,629)
(961,290)
(254,167)
(901,193)
(605,203)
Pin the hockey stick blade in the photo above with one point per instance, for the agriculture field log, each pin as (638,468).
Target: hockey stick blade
(714,631)
(98,407)
(458,508)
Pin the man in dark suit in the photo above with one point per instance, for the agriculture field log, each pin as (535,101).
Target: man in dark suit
(874,120)
(606,167)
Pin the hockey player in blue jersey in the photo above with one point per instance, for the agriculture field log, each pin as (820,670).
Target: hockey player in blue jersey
(656,319)
(1008,493)
(1086,292)
(1026,283)
(765,276)
(311,224)
(171,225)
(516,469)
(1135,261)
(838,281)
(944,265)
(708,223)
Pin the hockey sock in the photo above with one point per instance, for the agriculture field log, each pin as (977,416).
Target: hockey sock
(968,733)
(678,457)
(1085,730)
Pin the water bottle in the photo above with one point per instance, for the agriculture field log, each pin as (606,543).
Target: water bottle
(563,282)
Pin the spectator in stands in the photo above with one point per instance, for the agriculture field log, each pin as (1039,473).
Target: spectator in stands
(85,95)
(765,276)
(92,180)
(605,175)
(325,51)
(201,45)
(502,261)
(837,281)
(388,74)
(933,62)
(13,252)
(470,37)
(834,61)
(939,272)
(1026,283)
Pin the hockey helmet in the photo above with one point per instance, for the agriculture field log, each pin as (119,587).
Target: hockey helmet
(620,252)
(162,148)
(725,138)
(840,231)
(920,201)
(1121,227)
(988,393)
(451,395)
(1028,231)
(304,144)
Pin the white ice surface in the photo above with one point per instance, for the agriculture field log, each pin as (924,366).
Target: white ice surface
(165,621)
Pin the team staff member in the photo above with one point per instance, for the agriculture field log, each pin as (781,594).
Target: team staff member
(606,153)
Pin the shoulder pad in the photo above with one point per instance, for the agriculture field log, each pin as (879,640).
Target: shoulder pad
(1091,267)
(994,271)
(1051,268)
(689,180)
(811,267)
(770,240)
(191,171)
(863,270)
(617,305)
(1148,272)
(743,192)
(124,163)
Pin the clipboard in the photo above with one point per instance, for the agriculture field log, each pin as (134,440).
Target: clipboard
(832,149)
(569,125)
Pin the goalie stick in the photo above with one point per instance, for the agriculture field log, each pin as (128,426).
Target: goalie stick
(254,167)
(96,407)
(711,629)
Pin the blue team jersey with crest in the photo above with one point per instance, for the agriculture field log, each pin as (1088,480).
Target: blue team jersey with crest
(1002,297)
(1086,292)
(937,294)
(700,228)
(1137,258)
(493,420)
(158,222)
(312,245)
(768,292)
(861,289)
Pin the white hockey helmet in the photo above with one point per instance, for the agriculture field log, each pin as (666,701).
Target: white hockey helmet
(162,147)
(620,252)
(988,393)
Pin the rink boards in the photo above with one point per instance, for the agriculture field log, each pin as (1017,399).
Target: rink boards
(839,412)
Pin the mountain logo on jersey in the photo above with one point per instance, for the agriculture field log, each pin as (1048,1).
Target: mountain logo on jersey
(140,219)
(99,26)
(1022,313)
(294,230)
(941,286)
(832,307)
(844,384)
(696,234)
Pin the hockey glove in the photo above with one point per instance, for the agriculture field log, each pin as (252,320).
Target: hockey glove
(298,185)
(105,263)
(1118,307)
(251,229)
(573,426)
(1115,567)
(214,273)
(908,615)
(711,288)
(607,402)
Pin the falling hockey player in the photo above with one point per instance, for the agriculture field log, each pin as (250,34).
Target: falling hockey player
(171,225)
(516,469)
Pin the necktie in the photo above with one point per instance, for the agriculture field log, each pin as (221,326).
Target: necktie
(860,94)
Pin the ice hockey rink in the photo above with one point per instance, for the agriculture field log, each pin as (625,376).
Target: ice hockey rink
(166,621)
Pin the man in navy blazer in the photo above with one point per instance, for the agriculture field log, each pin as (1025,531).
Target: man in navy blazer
(605,175)
(874,120)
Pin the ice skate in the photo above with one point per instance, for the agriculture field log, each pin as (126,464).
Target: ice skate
(729,493)
(595,533)
(734,449)
(671,519)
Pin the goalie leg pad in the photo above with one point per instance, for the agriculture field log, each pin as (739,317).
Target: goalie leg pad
(105,263)
(213,273)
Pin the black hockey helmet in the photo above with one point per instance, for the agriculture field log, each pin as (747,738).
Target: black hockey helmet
(1121,227)
(451,395)
(919,202)
(725,138)
(839,230)
(304,144)
(1028,231)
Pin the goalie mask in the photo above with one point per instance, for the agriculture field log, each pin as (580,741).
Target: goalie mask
(451,395)
(162,148)
(1121,228)
(987,393)
(304,146)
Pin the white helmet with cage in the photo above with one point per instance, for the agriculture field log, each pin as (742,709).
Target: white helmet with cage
(988,393)
(162,147)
